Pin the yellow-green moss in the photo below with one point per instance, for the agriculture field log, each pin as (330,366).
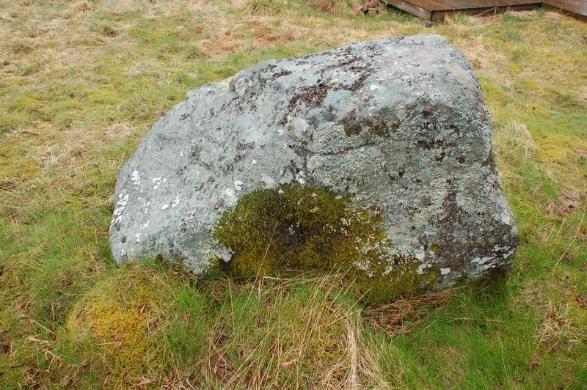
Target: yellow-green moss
(436,249)
(119,325)
(307,228)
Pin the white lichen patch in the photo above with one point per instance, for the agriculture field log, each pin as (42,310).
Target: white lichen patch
(223,253)
(422,268)
(364,266)
(135,178)
(238,185)
(510,253)
(481,260)
(175,201)
(420,254)
(444,271)
(156,182)
(483,264)
(229,197)
(505,217)
(120,204)
(268,181)
(301,177)
(300,126)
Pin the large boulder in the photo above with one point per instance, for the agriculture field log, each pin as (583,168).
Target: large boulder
(396,126)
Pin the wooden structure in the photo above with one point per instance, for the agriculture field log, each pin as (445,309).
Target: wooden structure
(574,8)
(437,10)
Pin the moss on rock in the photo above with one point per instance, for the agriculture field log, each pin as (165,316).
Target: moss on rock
(309,228)
(436,249)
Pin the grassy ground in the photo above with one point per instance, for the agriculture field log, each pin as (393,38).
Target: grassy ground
(82,81)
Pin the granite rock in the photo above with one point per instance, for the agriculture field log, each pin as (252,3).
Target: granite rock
(397,124)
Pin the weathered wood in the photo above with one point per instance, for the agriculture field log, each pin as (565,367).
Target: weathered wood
(451,5)
(574,8)
(438,9)
(438,16)
(411,8)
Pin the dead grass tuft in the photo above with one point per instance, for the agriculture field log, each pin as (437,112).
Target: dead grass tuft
(303,324)
(333,7)
(83,7)
(514,142)
(119,132)
(558,331)
(265,7)
(566,204)
(400,316)
(265,35)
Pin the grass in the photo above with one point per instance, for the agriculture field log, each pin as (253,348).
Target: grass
(82,81)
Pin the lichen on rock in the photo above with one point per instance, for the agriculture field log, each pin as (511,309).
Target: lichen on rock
(397,124)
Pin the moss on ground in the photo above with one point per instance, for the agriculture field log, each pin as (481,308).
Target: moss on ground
(118,326)
(311,228)
(157,326)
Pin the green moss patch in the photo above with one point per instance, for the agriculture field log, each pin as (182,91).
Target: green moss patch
(154,325)
(308,228)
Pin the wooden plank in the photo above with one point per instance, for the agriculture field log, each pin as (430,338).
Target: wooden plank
(410,8)
(574,7)
(438,9)
(439,16)
(451,5)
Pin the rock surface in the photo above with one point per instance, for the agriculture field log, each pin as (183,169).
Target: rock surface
(398,124)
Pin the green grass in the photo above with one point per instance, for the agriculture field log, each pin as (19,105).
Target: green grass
(82,81)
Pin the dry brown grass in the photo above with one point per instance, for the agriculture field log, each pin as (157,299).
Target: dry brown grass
(514,142)
(333,7)
(400,316)
(323,333)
